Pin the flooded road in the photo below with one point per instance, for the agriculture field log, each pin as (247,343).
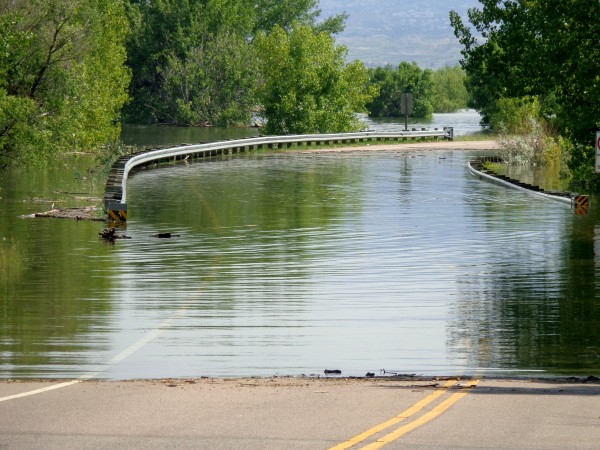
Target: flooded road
(291,264)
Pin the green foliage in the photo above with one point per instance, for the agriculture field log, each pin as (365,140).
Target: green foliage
(526,136)
(213,85)
(449,90)
(496,167)
(521,130)
(442,90)
(517,115)
(193,61)
(62,76)
(543,48)
(392,82)
(581,164)
(286,13)
(306,85)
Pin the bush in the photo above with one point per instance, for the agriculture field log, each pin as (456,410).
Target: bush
(526,137)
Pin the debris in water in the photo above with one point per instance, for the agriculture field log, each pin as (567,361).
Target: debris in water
(109,234)
(332,372)
(165,235)
(83,213)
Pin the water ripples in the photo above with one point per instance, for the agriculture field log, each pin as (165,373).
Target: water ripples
(291,264)
(360,262)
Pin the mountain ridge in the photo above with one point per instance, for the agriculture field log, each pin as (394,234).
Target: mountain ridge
(380,32)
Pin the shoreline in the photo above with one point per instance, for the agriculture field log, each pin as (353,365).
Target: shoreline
(408,146)
(293,379)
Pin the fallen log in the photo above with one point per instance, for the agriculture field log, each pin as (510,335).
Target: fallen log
(83,213)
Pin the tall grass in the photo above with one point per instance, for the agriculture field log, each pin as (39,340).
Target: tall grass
(527,137)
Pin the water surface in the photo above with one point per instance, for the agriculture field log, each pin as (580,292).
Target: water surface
(294,263)
(464,122)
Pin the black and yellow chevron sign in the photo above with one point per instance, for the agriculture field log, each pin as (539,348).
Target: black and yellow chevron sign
(118,215)
(117,211)
(581,204)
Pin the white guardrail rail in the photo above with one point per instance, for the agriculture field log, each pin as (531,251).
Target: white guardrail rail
(116,187)
(579,203)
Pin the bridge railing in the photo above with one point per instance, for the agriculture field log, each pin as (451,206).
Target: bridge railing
(115,196)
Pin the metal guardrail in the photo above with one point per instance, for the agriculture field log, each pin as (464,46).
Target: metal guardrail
(579,203)
(116,187)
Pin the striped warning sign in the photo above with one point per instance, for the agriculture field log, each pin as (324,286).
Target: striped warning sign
(117,211)
(581,204)
(118,215)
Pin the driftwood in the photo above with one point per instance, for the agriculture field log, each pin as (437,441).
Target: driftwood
(110,234)
(165,235)
(84,213)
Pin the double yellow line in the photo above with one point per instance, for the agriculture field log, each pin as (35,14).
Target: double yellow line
(417,407)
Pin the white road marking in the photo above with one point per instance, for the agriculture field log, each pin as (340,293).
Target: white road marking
(149,336)
(39,391)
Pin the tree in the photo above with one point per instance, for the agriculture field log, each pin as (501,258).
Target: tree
(539,48)
(449,90)
(286,13)
(392,82)
(306,85)
(62,76)
(192,61)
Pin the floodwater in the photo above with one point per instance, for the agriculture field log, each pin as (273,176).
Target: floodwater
(464,122)
(292,263)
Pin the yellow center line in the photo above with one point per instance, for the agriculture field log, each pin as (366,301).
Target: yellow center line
(427,417)
(404,415)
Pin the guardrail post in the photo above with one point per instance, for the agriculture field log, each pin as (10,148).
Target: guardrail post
(450,131)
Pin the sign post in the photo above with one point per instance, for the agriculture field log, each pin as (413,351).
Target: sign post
(406,107)
(598,152)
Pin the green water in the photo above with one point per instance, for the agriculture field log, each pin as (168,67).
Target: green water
(158,136)
(293,263)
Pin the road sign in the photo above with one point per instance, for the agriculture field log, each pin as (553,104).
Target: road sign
(581,204)
(406,107)
(598,152)
(406,103)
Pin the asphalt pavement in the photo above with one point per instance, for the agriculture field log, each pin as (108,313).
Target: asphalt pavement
(300,413)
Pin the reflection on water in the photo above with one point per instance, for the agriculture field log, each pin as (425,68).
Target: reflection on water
(163,135)
(464,122)
(294,263)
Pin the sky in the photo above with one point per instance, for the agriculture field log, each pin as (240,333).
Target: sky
(380,32)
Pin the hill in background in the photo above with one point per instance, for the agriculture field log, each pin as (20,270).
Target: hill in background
(379,32)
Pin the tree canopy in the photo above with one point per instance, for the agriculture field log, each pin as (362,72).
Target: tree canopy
(393,81)
(193,62)
(538,48)
(306,85)
(62,75)
(72,70)
(449,90)
(442,90)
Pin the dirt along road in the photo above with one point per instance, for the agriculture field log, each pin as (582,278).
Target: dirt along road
(410,146)
(301,413)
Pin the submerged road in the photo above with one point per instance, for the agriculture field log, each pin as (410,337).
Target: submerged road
(301,413)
